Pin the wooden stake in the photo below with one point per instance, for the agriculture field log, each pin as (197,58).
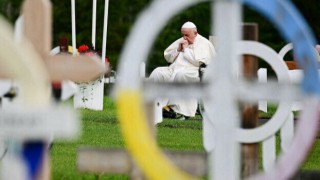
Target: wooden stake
(250,152)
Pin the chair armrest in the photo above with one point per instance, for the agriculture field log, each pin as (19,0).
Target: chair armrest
(201,70)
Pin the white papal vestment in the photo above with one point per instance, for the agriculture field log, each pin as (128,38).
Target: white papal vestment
(184,68)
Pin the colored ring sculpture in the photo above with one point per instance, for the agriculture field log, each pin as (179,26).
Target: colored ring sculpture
(288,21)
(132,118)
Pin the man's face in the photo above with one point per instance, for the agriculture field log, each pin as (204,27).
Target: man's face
(189,34)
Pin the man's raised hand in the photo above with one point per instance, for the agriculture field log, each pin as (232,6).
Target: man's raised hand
(182,45)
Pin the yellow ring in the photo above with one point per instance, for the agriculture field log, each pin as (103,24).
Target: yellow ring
(138,139)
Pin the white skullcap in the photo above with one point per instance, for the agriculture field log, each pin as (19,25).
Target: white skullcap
(189,25)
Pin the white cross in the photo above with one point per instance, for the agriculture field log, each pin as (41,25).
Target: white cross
(39,121)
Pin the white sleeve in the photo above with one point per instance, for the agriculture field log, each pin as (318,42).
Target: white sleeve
(188,54)
(171,55)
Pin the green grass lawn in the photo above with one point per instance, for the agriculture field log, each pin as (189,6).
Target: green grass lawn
(101,129)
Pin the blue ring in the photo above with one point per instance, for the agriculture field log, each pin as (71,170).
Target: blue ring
(289,22)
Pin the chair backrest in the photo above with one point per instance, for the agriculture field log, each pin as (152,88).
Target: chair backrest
(212,39)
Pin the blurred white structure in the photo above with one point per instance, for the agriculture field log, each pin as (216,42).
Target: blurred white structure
(90,94)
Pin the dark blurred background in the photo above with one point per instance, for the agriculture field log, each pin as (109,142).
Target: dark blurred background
(123,13)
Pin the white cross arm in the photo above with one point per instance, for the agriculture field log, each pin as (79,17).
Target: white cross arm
(75,68)
(39,123)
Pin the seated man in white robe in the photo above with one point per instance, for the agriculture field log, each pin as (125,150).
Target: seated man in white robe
(186,54)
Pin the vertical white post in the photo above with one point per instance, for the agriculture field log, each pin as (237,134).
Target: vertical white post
(94,20)
(268,153)
(143,70)
(287,132)
(105,29)
(73,20)
(262,77)
(18,29)
(224,161)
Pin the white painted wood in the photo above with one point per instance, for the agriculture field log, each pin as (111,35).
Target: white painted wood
(105,30)
(246,91)
(288,47)
(18,29)
(12,166)
(157,112)
(268,153)
(274,124)
(262,77)
(94,22)
(41,123)
(285,49)
(286,133)
(208,134)
(90,95)
(227,150)
(69,89)
(304,138)
(73,24)
(296,76)
(143,70)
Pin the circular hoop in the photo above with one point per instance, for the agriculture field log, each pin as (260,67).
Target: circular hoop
(295,30)
(285,49)
(138,139)
(275,61)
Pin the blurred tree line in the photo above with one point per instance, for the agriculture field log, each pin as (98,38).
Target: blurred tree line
(123,13)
